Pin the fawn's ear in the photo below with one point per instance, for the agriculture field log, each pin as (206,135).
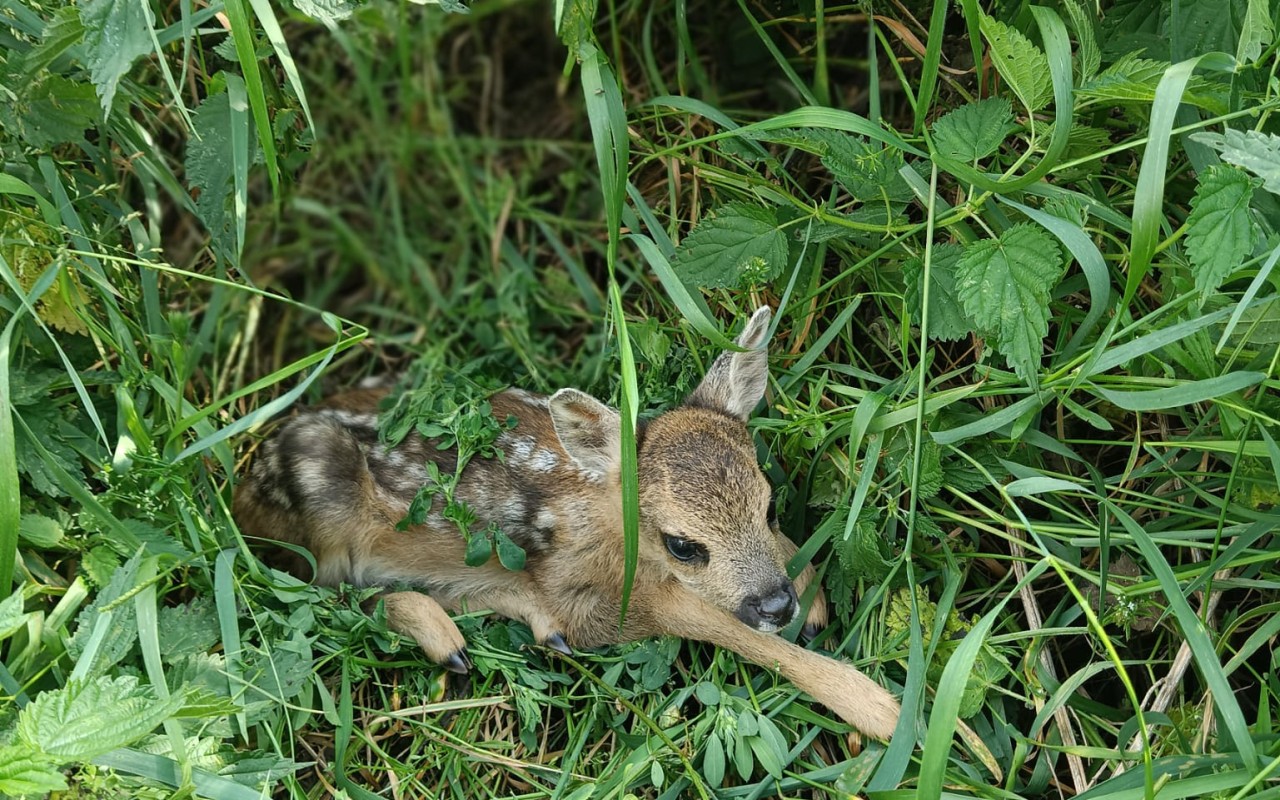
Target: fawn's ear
(735,383)
(589,431)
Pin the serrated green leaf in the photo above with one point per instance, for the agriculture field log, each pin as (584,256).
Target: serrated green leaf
(62,31)
(26,771)
(124,622)
(1082,23)
(210,171)
(1219,231)
(867,170)
(88,718)
(947,320)
(57,110)
(863,555)
(12,616)
(39,531)
(327,11)
(1256,32)
(1256,152)
(1004,285)
(1022,65)
(742,244)
(115,35)
(188,629)
(975,130)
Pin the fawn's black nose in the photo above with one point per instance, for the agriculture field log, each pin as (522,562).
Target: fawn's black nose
(771,611)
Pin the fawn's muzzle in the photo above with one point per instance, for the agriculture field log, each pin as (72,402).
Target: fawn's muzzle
(770,611)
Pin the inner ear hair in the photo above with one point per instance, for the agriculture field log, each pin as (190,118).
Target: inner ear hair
(589,431)
(735,383)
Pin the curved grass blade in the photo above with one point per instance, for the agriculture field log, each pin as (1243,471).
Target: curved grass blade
(1148,200)
(946,707)
(242,36)
(10,514)
(1197,637)
(1255,286)
(1183,395)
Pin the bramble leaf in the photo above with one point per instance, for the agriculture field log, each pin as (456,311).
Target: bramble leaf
(1004,285)
(1022,65)
(115,35)
(741,245)
(973,131)
(1219,231)
(947,320)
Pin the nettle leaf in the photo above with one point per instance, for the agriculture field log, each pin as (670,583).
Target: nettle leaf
(1088,52)
(1256,32)
(26,771)
(116,33)
(62,31)
(188,629)
(867,170)
(1004,285)
(947,320)
(1022,65)
(123,632)
(1219,231)
(1133,79)
(85,719)
(327,11)
(58,110)
(1256,152)
(210,169)
(741,245)
(12,616)
(974,131)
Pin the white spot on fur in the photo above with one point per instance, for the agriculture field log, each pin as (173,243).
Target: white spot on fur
(545,520)
(350,419)
(517,448)
(543,461)
(311,476)
(529,398)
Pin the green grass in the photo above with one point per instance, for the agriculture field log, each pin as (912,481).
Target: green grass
(1051,531)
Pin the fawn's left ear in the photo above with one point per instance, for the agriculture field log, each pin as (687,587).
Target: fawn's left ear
(589,431)
(735,383)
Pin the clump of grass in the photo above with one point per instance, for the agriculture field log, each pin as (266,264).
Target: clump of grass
(1022,415)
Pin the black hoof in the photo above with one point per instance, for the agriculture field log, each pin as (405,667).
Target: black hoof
(810,631)
(556,642)
(458,662)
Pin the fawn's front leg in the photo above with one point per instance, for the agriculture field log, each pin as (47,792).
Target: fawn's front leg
(858,700)
(416,615)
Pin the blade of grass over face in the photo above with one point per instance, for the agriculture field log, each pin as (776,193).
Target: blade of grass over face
(609,133)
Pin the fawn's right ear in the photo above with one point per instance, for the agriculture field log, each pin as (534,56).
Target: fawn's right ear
(735,383)
(589,431)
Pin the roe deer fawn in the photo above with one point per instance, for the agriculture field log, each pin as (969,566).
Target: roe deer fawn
(711,560)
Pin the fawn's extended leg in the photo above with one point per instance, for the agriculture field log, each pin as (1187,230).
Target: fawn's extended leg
(858,700)
(414,614)
(816,619)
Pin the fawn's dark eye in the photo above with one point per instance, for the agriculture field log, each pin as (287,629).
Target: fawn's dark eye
(684,549)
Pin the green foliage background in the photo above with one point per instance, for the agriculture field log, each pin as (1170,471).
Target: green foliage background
(1023,410)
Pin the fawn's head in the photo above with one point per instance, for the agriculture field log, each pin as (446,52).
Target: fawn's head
(704,503)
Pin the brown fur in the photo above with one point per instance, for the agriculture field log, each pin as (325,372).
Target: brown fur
(325,483)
